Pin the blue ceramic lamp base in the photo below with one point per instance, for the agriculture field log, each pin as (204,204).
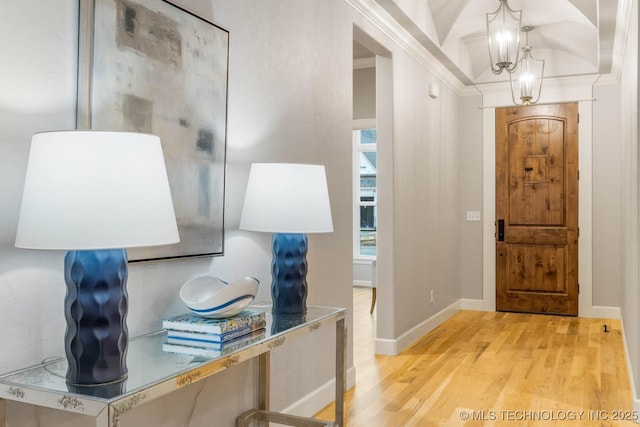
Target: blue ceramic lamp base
(95,307)
(289,273)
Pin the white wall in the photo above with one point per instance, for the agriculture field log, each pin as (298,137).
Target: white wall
(470,197)
(629,207)
(364,93)
(607,197)
(426,202)
(37,92)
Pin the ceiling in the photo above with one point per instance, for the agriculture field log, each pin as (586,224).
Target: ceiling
(574,37)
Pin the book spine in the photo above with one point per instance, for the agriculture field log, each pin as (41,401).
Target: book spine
(240,322)
(218,328)
(190,343)
(178,345)
(207,337)
(188,326)
(176,348)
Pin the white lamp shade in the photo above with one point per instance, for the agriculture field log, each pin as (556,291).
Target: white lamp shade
(287,198)
(95,190)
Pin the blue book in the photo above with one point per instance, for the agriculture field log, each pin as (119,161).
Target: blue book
(176,345)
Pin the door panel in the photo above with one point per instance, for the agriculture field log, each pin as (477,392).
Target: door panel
(537,199)
(536,164)
(538,268)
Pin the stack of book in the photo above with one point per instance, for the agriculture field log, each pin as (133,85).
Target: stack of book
(202,336)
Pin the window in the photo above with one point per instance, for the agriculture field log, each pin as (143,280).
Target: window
(365,189)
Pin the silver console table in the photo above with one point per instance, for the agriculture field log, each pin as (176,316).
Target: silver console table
(154,373)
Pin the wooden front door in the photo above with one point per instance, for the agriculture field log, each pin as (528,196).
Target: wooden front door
(537,209)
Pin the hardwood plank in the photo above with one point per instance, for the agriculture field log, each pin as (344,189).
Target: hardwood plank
(499,366)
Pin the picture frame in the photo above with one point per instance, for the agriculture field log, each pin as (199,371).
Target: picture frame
(152,66)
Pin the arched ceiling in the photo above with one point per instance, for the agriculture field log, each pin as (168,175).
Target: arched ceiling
(574,37)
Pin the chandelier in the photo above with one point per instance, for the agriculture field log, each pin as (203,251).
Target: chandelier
(531,70)
(503,32)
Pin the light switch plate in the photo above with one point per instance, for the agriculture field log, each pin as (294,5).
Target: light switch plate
(473,215)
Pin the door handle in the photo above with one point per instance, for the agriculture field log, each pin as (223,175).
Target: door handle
(501,230)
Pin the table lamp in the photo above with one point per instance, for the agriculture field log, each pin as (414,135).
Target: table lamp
(288,200)
(95,193)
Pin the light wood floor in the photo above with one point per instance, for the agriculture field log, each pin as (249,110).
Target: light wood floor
(497,369)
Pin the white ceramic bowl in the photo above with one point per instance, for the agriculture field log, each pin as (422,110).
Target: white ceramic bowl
(209,296)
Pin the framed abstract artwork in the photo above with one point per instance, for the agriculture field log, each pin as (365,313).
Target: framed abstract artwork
(153,67)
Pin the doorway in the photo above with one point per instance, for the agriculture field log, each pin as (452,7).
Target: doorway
(537,209)
(364,164)
(373,224)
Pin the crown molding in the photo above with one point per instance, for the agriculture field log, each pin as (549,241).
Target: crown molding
(379,17)
(608,79)
(471,90)
(623,23)
(554,90)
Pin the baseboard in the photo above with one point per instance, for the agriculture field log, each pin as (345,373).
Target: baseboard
(362,283)
(635,401)
(394,347)
(472,304)
(603,312)
(386,347)
(315,401)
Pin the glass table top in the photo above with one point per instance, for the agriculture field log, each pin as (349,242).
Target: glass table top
(149,364)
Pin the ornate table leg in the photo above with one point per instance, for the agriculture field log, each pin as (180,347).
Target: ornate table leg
(264,382)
